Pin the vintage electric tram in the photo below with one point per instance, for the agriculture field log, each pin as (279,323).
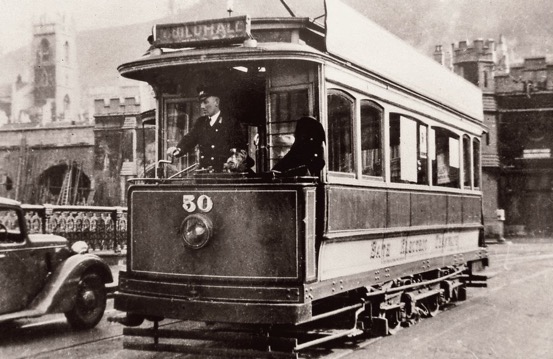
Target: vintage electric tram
(388,231)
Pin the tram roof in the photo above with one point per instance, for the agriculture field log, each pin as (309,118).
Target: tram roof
(352,36)
(346,35)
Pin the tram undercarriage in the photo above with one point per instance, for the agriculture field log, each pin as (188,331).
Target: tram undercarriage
(358,314)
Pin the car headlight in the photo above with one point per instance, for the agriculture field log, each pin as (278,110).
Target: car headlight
(196,230)
(79,247)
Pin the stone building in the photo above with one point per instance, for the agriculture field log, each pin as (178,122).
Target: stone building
(46,148)
(525,112)
(49,151)
(517,167)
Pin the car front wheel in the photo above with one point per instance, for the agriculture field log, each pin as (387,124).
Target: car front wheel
(90,302)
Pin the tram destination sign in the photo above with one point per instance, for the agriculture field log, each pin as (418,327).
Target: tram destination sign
(205,32)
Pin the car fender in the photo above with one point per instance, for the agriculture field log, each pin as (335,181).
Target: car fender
(61,287)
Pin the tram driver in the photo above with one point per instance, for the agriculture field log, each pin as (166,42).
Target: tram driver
(219,137)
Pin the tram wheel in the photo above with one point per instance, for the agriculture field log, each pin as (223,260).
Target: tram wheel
(432,306)
(393,318)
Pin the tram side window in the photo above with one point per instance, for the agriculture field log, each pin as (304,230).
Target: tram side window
(408,150)
(340,132)
(476,161)
(371,139)
(466,162)
(446,162)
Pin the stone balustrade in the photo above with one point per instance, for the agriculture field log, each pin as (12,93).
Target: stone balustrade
(103,228)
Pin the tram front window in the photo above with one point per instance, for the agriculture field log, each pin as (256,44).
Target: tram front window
(211,117)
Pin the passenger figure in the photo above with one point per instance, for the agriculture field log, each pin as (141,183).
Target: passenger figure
(305,157)
(217,135)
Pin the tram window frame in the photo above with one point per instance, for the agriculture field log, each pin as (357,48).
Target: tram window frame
(372,135)
(282,124)
(414,170)
(467,163)
(446,151)
(476,163)
(338,162)
(180,127)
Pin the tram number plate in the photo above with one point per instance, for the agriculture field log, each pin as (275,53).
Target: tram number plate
(203,203)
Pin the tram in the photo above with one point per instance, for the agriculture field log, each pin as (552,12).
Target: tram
(387,230)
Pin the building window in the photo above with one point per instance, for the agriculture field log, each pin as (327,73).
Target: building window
(371,138)
(66,106)
(43,53)
(44,80)
(66,52)
(408,150)
(340,132)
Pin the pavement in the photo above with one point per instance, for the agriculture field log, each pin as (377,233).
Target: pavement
(519,240)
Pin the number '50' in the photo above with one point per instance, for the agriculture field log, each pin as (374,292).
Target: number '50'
(203,203)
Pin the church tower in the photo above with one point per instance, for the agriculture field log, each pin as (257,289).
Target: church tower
(56,85)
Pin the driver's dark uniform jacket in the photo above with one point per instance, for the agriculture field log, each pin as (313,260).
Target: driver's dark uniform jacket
(214,142)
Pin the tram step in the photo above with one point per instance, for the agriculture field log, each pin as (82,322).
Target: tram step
(208,351)
(242,338)
(477,284)
(231,343)
(482,276)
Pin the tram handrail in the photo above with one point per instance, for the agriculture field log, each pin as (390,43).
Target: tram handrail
(186,170)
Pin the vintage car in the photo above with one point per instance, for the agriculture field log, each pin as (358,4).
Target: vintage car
(42,274)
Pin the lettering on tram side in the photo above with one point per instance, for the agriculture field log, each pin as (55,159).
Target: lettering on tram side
(447,243)
(380,249)
(234,29)
(414,245)
(394,252)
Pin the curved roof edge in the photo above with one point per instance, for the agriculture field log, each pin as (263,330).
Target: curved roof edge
(264,51)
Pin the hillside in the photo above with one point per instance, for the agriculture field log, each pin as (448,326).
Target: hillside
(422,23)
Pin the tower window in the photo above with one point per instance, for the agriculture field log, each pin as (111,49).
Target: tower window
(43,53)
(66,52)
(66,106)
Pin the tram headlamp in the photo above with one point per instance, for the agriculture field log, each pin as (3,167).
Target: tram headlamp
(196,230)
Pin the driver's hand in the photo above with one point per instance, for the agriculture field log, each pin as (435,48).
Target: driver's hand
(173,151)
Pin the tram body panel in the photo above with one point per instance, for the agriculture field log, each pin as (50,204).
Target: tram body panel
(244,244)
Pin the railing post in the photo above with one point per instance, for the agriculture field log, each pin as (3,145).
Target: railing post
(48,213)
(42,214)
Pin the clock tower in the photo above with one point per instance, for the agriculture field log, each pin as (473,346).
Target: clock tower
(55,70)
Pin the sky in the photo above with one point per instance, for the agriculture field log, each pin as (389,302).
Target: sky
(527,24)
(16,15)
